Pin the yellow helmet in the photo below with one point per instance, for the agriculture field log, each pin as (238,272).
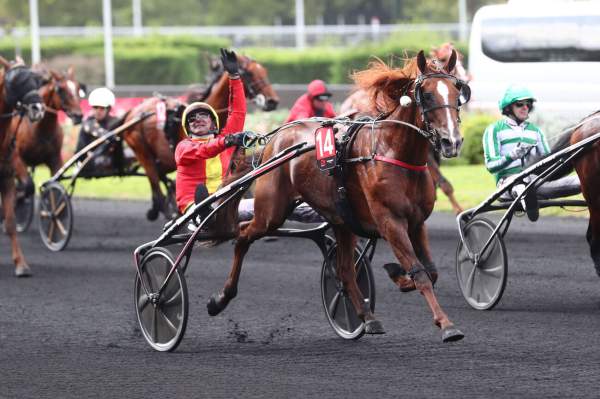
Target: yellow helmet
(197,106)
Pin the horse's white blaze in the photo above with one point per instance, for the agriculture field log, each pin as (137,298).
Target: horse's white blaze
(442,89)
(71,85)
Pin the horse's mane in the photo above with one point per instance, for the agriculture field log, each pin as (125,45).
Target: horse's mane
(385,84)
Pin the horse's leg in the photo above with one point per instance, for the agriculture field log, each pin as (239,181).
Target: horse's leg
(158,198)
(8,203)
(395,231)
(346,241)
(263,222)
(398,273)
(447,189)
(25,182)
(593,237)
(420,241)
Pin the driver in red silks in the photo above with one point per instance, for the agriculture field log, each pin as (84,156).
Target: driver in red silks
(203,157)
(315,102)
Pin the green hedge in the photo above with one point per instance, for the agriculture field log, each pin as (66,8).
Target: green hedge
(144,60)
(180,60)
(472,128)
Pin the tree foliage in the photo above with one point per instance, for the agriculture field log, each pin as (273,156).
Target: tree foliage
(237,12)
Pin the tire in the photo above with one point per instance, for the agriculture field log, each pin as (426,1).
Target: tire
(55,216)
(481,283)
(337,305)
(163,324)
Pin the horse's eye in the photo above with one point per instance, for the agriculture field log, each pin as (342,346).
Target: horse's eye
(428,98)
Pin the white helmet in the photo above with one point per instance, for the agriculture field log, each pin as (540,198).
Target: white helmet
(101,97)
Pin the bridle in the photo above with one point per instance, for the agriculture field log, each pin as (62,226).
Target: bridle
(252,87)
(426,103)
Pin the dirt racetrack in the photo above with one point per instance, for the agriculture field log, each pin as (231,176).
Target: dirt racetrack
(70,331)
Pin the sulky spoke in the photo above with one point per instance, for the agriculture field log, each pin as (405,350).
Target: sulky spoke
(154,331)
(60,208)
(52,200)
(333,305)
(174,300)
(61,227)
(470,280)
(348,326)
(51,231)
(169,323)
(495,271)
(143,301)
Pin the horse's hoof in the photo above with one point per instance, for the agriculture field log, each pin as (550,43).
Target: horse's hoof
(451,334)
(213,306)
(152,215)
(23,271)
(374,327)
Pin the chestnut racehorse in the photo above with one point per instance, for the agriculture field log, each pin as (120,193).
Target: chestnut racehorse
(154,146)
(18,91)
(386,199)
(588,167)
(359,103)
(41,142)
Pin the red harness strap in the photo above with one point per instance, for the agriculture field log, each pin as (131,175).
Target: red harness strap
(418,168)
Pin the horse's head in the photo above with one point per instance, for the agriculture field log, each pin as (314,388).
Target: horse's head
(64,93)
(443,53)
(21,86)
(422,93)
(439,96)
(256,84)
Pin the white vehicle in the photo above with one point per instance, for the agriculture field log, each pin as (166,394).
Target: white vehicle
(551,47)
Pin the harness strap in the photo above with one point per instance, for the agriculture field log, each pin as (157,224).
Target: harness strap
(418,168)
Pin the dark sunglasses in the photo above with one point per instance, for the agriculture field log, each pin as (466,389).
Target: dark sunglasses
(520,104)
(198,116)
(323,97)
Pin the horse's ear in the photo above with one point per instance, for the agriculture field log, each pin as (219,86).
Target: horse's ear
(55,75)
(451,62)
(422,62)
(4,62)
(71,73)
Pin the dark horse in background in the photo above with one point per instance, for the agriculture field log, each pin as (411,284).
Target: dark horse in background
(588,170)
(154,145)
(387,200)
(41,142)
(359,103)
(19,95)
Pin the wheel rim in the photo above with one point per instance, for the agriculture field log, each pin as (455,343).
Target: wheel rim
(162,323)
(337,304)
(482,284)
(55,217)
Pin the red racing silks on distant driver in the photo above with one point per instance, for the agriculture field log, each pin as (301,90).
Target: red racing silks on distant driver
(206,161)
(303,109)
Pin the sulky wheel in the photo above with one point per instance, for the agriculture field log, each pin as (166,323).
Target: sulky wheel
(481,279)
(337,304)
(55,216)
(162,318)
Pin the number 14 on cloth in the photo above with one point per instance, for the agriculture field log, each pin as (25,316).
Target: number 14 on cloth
(325,148)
